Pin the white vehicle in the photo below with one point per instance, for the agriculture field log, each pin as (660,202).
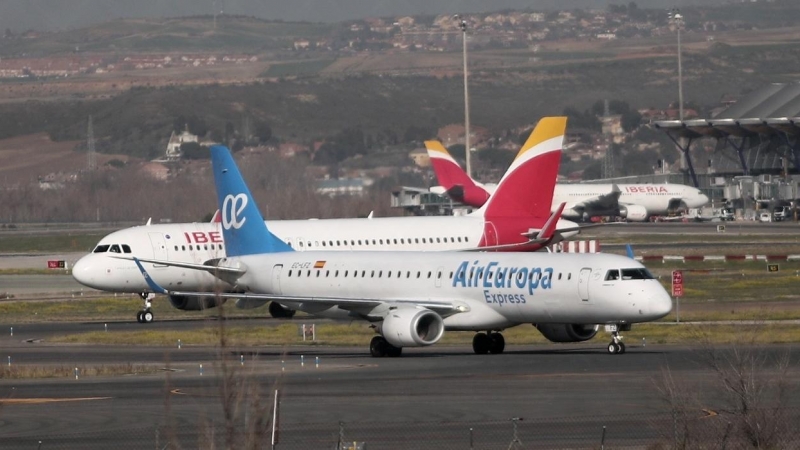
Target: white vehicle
(634,202)
(765,216)
(516,219)
(414,297)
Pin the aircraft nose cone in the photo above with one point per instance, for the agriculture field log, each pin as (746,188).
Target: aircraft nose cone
(660,305)
(83,272)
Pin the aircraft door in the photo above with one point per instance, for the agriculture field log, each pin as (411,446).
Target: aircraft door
(277,269)
(489,234)
(159,248)
(583,283)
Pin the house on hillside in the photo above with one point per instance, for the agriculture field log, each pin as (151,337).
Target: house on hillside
(175,141)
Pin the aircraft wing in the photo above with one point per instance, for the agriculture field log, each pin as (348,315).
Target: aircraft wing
(210,268)
(603,202)
(353,304)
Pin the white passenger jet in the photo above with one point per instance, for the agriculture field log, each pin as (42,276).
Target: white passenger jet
(413,297)
(634,202)
(517,218)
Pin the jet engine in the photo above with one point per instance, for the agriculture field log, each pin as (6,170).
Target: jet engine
(412,327)
(186,303)
(279,311)
(567,332)
(634,213)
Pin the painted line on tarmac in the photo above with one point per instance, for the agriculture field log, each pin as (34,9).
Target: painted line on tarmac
(38,401)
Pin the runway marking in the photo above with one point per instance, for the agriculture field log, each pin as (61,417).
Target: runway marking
(38,401)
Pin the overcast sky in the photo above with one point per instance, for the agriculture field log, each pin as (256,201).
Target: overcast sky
(49,15)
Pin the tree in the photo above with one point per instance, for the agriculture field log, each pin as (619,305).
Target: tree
(193,150)
(263,132)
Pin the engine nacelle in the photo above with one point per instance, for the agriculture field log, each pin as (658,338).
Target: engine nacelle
(634,213)
(250,303)
(186,303)
(412,327)
(279,311)
(567,332)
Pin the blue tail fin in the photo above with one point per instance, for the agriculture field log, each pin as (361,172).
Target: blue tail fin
(243,227)
(629,251)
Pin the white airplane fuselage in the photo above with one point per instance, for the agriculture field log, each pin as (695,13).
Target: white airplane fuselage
(657,199)
(496,290)
(201,242)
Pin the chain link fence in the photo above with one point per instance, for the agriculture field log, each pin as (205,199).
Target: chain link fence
(705,430)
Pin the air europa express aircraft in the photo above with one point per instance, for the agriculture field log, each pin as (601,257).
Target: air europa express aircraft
(635,202)
(517,218)
(413,297)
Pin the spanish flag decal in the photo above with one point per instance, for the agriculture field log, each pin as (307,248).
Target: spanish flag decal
(319,264)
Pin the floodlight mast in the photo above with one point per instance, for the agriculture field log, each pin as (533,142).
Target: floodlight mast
(462,23)
(676,20)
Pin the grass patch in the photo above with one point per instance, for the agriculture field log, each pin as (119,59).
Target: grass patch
(34,272)
(359,334)
(21,371)
(297,68)
(69,242)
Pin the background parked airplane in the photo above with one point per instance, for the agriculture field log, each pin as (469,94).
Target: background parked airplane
(634,202)
(413,297)
(516,219)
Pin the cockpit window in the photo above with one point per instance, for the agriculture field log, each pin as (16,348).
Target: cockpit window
(612,275)
(101,249)
(126,248)
(115,249)
(637,274)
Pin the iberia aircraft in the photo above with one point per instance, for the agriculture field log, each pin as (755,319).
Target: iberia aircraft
(634,202)
(414,297)
(517,219)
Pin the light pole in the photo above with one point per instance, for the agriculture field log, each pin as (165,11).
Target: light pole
(676,20)
(462,23)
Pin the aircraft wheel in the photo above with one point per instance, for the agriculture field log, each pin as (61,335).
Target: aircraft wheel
(377,347)
(393,351)
(498,343)
(621,347)
(147,316)
(613,348)
(481,343)
(139,317)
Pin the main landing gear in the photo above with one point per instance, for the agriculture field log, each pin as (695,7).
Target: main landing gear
(489,342)
(146,314)
(616,347)
(380,347)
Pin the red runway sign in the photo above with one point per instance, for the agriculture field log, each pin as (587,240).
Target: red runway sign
(677,283)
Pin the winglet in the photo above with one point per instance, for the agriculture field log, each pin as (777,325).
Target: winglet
(629,251)
(153,285)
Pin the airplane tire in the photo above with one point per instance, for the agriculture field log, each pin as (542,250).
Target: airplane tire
(613,349)
(481,343)
(498,343)
(147,316)
(393,351)
(139,317)
(377,347)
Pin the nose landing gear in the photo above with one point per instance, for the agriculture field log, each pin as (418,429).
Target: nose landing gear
(616,347)
(146,314)
(484,343)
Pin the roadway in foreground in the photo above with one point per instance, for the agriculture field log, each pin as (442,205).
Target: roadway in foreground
(428,398)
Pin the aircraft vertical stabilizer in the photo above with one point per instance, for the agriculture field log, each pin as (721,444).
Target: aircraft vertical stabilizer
(243,227)
(458,185)
(526,189)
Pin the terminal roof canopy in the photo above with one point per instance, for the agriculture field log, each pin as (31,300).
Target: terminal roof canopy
(770,110)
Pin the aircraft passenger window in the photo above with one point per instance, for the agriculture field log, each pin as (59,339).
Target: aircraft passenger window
(374,242)
(395,241)
(220,246)
(451,275)
(205,247)
(439,275)
(359,242)
(212,245)
(338,243)
(372,275)
(612,275)
(489,275)
(183,248)
(176,248)
(389,274)
(352,242)
(101,249)
(327,273)
(466,239)
(301,243)
(423,240)
(308,244)
(355,274)
(380,274)
(336,274)
(559,275)
(345,273)
(402,241)
(323,243)
(308,273)
(290,273)
(299,273)
(636,274)
(429,274)
(363,274)
(459,239)
(569,276)
(318,272)
(408,274)
(381,241)
(416,240)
